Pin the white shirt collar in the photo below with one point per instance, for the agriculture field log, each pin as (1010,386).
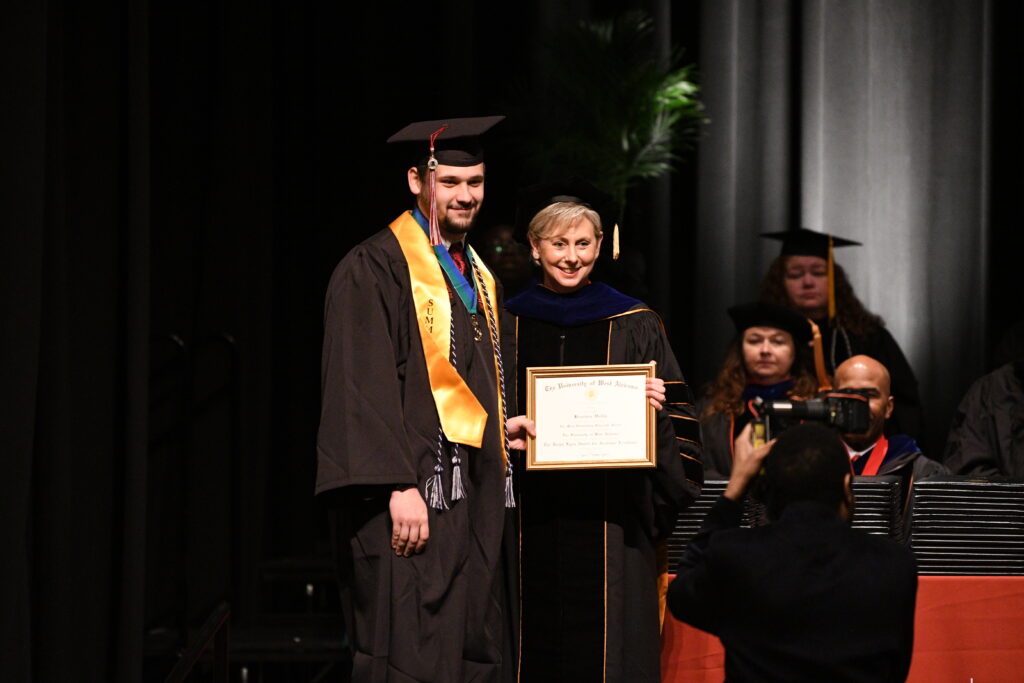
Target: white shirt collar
(856,454)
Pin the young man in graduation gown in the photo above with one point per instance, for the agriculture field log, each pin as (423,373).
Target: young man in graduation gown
(874,453)
(411,442)
(805,598)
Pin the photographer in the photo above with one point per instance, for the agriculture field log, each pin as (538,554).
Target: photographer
(805,598)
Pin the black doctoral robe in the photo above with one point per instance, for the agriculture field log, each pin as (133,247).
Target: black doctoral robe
(719,430)
(987,437)
(902,457)
(589,539)
(441,615)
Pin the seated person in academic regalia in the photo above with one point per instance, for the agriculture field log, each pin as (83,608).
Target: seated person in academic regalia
(805,278)
(987,438)
(874,453)
(768,359)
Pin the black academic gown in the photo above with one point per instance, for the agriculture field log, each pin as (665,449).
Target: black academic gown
(441,615)
(719,430)
(589,539)
(907,417)
(804,599)
(987,437)
(902,457)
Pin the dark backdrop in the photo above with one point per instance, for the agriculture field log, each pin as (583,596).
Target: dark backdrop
(178,181)
(894,123)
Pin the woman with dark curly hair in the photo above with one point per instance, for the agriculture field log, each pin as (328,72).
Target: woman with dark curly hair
(769,358)
(799,278)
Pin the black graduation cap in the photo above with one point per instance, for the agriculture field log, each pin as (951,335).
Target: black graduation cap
(535,198)
(804,242)
(761,314)
(458,143)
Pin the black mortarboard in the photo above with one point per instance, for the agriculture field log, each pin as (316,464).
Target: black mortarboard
(534,198)
(457,145)
(760,314)
(804,242)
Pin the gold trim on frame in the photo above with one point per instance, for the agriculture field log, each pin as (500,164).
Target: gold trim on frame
(587,372)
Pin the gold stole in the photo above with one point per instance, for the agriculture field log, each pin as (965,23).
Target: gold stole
(462,417)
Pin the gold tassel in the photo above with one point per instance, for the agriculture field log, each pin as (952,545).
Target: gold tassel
(615,242)
(824,381)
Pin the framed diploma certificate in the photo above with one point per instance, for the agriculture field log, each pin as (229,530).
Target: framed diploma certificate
(590,416)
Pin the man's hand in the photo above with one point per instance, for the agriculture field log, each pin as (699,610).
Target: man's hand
(746,463)
(517,428)
(408,522)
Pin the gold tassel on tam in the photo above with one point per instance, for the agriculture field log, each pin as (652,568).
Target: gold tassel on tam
(824,381)
(615,242)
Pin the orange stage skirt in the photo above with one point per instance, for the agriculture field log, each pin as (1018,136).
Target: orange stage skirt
(966,627)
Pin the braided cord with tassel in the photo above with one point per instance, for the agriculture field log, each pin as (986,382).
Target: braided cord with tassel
(434,487)
(510,500)
(458,491)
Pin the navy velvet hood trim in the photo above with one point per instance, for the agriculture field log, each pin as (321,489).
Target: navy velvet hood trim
(596,301)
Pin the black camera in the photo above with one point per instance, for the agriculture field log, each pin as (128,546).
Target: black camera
(847,411)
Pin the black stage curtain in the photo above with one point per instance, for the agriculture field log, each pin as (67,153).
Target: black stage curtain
(179,181)
(191,172)
(74,261)
(874,121)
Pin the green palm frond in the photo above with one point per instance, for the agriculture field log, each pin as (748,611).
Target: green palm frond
(607,110)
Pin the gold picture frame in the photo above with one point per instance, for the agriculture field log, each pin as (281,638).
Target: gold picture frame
(590,417)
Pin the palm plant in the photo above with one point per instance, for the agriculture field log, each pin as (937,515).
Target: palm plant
(607,109)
